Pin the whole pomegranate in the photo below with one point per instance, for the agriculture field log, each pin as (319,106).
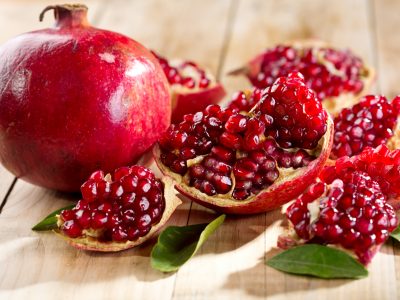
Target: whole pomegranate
(74,99)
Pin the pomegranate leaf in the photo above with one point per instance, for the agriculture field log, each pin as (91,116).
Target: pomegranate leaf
(396,234)
(319,261)
(50,222)
(176,245)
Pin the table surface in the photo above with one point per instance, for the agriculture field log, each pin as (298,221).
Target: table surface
(221,35)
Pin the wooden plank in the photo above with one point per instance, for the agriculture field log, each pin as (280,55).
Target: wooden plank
(60,267)
(384,14)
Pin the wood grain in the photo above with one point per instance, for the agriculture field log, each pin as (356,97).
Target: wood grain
(221,35)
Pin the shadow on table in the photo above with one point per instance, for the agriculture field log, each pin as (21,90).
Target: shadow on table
(273,282)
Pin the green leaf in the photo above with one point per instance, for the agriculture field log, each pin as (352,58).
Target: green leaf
(319,261)
(50,222)
(176,245)
(396,234)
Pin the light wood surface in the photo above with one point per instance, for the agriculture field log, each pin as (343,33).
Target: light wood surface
(221,35)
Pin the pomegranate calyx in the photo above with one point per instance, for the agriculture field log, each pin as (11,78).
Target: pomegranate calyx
(89,241)
(68,15)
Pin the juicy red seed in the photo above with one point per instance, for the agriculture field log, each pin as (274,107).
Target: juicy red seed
(143,222)
(71,229)
(142,204)
(208,188)
(230,140)
(89,190)
(240,194)
(67,215)
(121,172)
(128,216)
(223,153)
(83,218)
(119,234)
(236,124)
(105,207)
(97,175)
(129,183)
(99,220)
(222,184)
(133,233)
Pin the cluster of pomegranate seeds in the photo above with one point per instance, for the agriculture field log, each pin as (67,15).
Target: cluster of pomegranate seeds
(217,145)
(119,207)
(382,164)
(352,212)
(329,72)
(297,115)
(187,73)
(370,122)
(243,102)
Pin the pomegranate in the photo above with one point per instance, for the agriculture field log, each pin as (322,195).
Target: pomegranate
(75,98)
(192,88)
(345,208)
(250,163)
(371,122)
(118,211)
(337,76)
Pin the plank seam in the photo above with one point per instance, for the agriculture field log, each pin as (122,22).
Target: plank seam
(233,8)
(4,202)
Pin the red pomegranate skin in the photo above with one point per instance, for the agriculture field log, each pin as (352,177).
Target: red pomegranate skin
(74,99)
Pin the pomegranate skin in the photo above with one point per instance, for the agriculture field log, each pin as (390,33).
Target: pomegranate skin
(74,99)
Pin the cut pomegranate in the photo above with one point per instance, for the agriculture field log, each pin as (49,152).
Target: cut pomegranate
(192,88)
(118,211)
(371,122)
(346,209)
(237,163)
(337,76)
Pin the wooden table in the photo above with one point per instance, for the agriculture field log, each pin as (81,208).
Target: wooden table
(221,35)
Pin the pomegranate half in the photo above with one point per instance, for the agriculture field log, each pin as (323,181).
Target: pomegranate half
(338,77)
(74,99)
(250,163)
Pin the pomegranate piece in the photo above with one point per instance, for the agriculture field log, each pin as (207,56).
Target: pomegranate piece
(75,98)
(118,211)
(345,209)
(192,87)
(337,76)
(371,122)
(254,162)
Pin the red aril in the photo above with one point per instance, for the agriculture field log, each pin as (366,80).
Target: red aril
(192,87)
(338,77)
(370,123)
(119,210)
(75,98)
(254,162)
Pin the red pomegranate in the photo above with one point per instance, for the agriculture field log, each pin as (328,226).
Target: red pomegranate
(74,99)
(192,88)
(119,210)
(250,163)
(338,76)
(348,206)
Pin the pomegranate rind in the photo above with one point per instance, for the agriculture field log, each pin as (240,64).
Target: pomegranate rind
(284,189)
(186,101)
(332,104)
(92,244)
